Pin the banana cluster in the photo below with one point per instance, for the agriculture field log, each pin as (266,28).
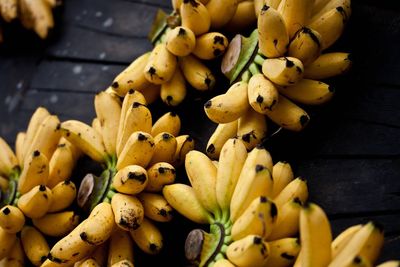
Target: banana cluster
(36,15)
(250,204)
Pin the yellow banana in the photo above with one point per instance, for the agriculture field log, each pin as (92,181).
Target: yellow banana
(64,194)
(100,254)
(328,65)
(8,10)
(57,224)
(283,252)
(195,16)
(3,184)
(295,189)
(16,257)
(19,147)
(210,45)
(11,219)
(36,120)
(43,17)
(128,211)
(273,3)
(284,70)
(174,91)
(132,77)
(89,263)
(131,179)
(305,45)
(315,236)
(97,228)
(159,175)
(108,110)
(180,41)
(262,93)
(221,12)
(308,92)
(295,14)
(229,106)
(138,150)
(120,247)
(232,158)
(323,6)
(34,172)
(8,160)
(184,144)
(35,203)
(288,115)
(282,175)
(252,128)
(196,73)
(156,207)
(389,264)
(85,138)
(257,219)
(164,148)
(248,251)
(35,245)
(343,239)
(96,125)
(318,5)
(123,263)
(148,237)
(151,93)
(183,199)
(273,37)
(169,122)
(223,263)
(160,66)
(243,18)
(7,241)
(222,133)
(254,181)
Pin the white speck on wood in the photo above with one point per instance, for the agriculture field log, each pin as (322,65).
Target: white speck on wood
(77,69)
(108,22)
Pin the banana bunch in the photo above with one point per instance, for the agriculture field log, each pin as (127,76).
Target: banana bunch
(36,15)
(252,206)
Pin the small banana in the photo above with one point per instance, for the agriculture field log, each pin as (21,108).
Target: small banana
(221,12)
(174,91)
(389,264)
(35,172)
(183,199)
(148,237)
(169,122)
(89,263)
(252,128)
(8,160)
(11,219)
(120,247)
(295,14)
(323,6)
(36,202)
(305,45)
(96,125)
(243,18)
(184,144)
(282,175)
(7,241)
(156,207)
(64,194)
(283,252)
(159,175)
(160,66)
(262,93)
(196,73)
(4,184)
(19,147)
(180,41)
(210,45)
(343,239)
(248,251)
(35,245)
(164,148)
(195,16)
(284,70)
(16,257)
(128,211)
(151,93)
(41,15)
(57,224)
(328,65)
(308,92)
(295,189)
(222,133)
(8,10)
(131,180)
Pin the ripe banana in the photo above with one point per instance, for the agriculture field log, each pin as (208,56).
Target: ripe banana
(243,18)
(11,219)
(35,172)
(16,257)
(174,91)
(19,147)
(262,94)
(180,41)
(222,133)
(210,45)
(35,245)
(283,71)
(196,73)
(128,211)
(151,93)
(229,106)
(248,251)
(159,175)
(8,160)
(343,239)
(221,12)
(283,252)
(164,148)
(96,125)
(156,207)
(184,144)
(57,224)
(161,65)
(3,184)
(131,180)
(195,16)
(120,247)
(252,128)
(8,10)
(295,14)
(324,6)
(64,194)
(169,122)
(41,16)
(328,65)
(295,189)
(89,263)
(223,263)
(389,264)
(305,45)
(148,237)
(308,92)
(36,202)
(7,241)
(282,174)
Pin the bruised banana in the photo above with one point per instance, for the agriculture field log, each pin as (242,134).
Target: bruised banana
(249,251)
(283,71)
(148,237)
(283,252)
(64,194)
(131,180)
(262,93)
(164,148)
(305,45)
(180,41)
(196,73)
(156,207)
(195,16)
(328,65)
(169,122)
(252,128)
(210,45)
(36,202)
(184,144)
(222,133)
(174,91)
(128,211)
(57,224)
(35,245)
(159,175)
(161,65)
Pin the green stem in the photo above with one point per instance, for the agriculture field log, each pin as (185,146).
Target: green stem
(258,59)
(254,69)
(246,76)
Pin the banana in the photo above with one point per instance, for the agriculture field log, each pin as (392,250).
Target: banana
(57,224)
(26,16)
(16,257)
(283,71)
(8,10)
(273,37)
(19,147)
(295,189)
(36,120)
(315,235)
(221,12)
(137,118)
(123,263)
(148,237)
(295,14)
(222,133)
(96,125)
(132,78)
(34,172)
(229,106)
(254,181)
(89,263)
(174,91)
(120,247)
(11,219)
(151,93)
(159,175)
(7,241)
(282,175)
(128,211)
(97,228)
(248,251)
(42,16)
(183,199)
(243,18)
(283,252)
(195,16)
(156,207)
(138,150)
(62,163)
(328,65)
(258,5)
(35,203)
(389,264)
(305,45)
(180,41)
(262,93)
(35,245)
(252,128)
(330,25)
(8,160)
(223,263)
(108,110)
(232,158)
(64,194)
(169,122)
(202,175)
(257,219)
(308,92)
(85,138)
(196,73)
(273,3)
(164,148)
(366,243)
(288,115)
(3,184)
(343,239)
(210,45)
(100,254)
(323,6)
(318,5)
(160,66)
(131,180)
(287,223)
(184,144)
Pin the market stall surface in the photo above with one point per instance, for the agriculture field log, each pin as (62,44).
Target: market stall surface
(350,153)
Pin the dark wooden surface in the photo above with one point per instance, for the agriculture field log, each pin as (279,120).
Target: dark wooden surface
(350,153)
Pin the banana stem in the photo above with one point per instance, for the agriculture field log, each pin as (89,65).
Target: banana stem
(258,59)
(246,76)
(254,69)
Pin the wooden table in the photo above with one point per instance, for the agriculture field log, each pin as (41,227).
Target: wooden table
(349,153)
